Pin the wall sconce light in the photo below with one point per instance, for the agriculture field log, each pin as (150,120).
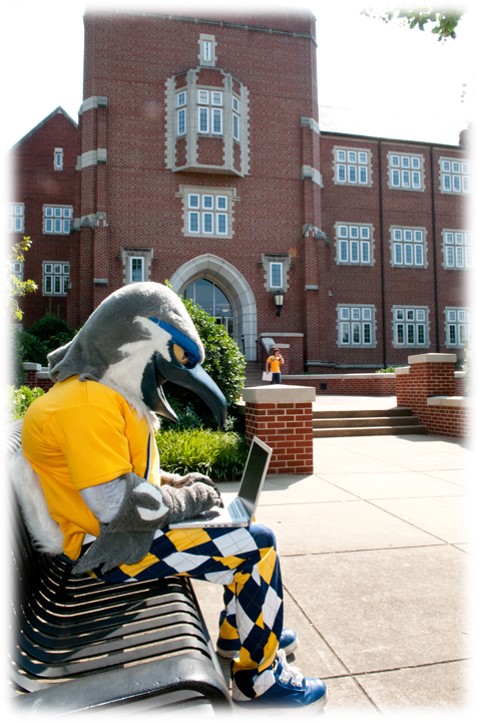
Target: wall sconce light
(278,302)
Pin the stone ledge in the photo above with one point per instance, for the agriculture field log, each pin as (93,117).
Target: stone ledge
(432,358)
(279,394)
(450,401)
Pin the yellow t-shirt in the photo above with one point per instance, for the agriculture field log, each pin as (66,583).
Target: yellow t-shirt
(274,364)
(80,434)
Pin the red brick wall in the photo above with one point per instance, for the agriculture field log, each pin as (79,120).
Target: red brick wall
(433,375)
(347,384)
(286,424)
(35,183)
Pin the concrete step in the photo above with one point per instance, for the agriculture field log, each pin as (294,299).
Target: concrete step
(365,422)
(369,431)
(361,413)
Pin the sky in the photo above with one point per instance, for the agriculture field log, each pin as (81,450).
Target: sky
(374,78)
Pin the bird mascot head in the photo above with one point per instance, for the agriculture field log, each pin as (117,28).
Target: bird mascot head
(138,338)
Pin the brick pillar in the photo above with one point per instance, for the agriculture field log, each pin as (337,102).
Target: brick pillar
(282,416)
(429,374)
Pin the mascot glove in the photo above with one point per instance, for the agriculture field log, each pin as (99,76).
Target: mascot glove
(127,538)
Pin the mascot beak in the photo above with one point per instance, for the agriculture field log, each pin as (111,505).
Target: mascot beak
(195,378)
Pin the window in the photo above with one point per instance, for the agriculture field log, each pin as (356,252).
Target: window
(356,326)
(406,171)
(136,265)
(57,219)
(410,326)
(458,325)
(457,249)
(181,113)
(137,269)
(56,277)
(210,111)
(275,274)
(236,118)
(16,218)
(207,54)
(408,247)
(17,270)
(58,159)
(353,244)
(208,213)
(352,167)
(454,176)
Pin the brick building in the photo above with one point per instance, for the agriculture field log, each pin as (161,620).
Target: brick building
(43,190)
(200,160)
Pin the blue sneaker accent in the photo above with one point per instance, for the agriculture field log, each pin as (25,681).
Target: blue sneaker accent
(283,686)
(229,648)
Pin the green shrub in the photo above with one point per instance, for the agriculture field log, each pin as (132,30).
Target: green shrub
(25,347)
(52,331)
(19,399)
(218,454)
(224,362)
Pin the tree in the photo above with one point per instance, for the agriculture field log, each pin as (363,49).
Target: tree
(19,288)
(441,23)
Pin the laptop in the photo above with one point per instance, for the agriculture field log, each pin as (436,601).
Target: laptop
(241,510)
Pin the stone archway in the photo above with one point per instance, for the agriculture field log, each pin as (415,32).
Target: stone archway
(234,285)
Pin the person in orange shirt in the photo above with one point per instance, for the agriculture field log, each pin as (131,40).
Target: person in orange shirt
(273,364)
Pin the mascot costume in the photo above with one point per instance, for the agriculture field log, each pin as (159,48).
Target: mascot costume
(89,481)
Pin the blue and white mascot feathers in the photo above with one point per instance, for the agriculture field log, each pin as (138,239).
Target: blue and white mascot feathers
(138,338)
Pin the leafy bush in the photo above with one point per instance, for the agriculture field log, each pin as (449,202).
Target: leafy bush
(221,455)
(25,347)
(19,399)
(52,331)
(388,370)
(224,362)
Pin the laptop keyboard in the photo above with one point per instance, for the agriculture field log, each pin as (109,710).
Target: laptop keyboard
(236,509)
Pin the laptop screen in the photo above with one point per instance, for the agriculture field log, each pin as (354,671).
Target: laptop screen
(254,473)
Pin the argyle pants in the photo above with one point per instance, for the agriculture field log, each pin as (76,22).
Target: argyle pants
(246,563)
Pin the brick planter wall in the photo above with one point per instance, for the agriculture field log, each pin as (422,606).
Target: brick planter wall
(368,384)
(429,386)
(283,417)
(36,375)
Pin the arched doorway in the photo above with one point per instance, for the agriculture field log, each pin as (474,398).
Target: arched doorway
(235,288)
(210,297)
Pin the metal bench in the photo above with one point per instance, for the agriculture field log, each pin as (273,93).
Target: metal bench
(78,643)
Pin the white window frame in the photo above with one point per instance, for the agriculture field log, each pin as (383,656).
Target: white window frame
(208,212)
(207,50)
(408,247)
(354,244)
(406,171)
(16,218)
(17,269)
(58,159)
(454,176)
(57,220)
(410,327)
(457,327)
(210,111)
(352,166)
(55,278)
(457,249)
(135,259)
(275,275)
(356,324)
(139,262)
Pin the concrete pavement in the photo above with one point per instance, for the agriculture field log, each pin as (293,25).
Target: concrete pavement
(375,548)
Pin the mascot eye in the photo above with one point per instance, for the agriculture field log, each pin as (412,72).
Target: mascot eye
(182,356)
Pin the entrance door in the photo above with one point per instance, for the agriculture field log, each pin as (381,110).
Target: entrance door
(212,299)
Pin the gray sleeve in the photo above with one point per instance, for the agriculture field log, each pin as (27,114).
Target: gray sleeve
(105,500)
